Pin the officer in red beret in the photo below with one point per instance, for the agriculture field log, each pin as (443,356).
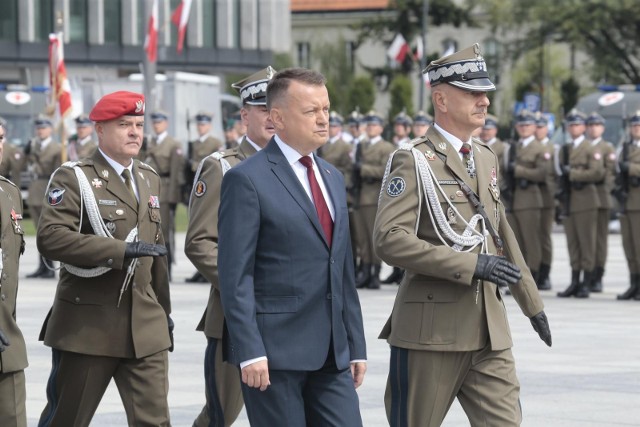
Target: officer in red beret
(110,318)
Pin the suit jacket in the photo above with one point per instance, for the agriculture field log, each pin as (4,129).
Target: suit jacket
(167,159)
(85,317)
(286,294)
(532,165)
(14,358)
(201,242)
(435,307)
(43,163)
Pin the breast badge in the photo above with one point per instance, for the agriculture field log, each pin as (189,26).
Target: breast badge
(451,216)
(396,186)
(111,226)
(55,196)
(430,155)
(96,183)
(154,202)
(200,188)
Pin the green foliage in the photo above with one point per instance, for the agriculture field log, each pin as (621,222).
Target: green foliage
(569,91)
(400,90)
(362,95)
(282,61)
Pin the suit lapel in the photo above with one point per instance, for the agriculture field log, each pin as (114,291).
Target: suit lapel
(483,171)
(284,172)
(453,161)
(115,185)
(144,192)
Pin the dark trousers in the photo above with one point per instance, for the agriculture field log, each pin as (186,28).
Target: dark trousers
(78,382)
(222,389)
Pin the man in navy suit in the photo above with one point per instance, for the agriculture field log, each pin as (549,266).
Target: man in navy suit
(286,269)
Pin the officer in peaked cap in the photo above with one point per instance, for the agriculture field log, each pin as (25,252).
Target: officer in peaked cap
(583,167)
(371,159)
(595,129)
(166,156)
(12,157)
(548,191)
(81,144)
(421,123)
(110,318)
(401,128)
(629,166)
(528,165)
(222,379)
(451,265)
(44,156)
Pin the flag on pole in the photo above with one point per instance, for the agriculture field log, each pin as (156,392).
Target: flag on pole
(398,49)
(151,40)
(418,48)
(60,89)
(180,17)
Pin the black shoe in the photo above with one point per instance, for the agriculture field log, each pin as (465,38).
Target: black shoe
(632,291)
(363,280)
(41,268)
(543,283)
(374,283)
(47,274)
(583,290)
(596,282)
(394,277)
(196,278)
(573,287)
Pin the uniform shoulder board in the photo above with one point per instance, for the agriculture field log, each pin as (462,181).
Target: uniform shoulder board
(71,165)
(409,145)
(143,165)
(230,152)
(3,179)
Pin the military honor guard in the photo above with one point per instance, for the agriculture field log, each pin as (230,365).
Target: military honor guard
(337,150)
(222,379)
(628,190)
(421,123)
(583,167)
(595,130)
(13,158)
(110,317)
(529,170)
(401,128)
(44,156)
(440,217)
(81,145)
(548,191)
(165,156)
(489,135)
(13,351)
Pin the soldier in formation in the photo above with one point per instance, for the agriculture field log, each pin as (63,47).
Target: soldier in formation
(421,123)
(81,145)
(222,380)
(12,159)
(548,192)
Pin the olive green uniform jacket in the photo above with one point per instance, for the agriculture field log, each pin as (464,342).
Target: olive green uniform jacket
(12,163)
(42,164)
(85,317)
(435,308)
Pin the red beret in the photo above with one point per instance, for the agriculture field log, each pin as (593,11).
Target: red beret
(118,104)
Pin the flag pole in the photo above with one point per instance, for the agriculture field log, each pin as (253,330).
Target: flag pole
(62,129)
(149,67)
(423,60)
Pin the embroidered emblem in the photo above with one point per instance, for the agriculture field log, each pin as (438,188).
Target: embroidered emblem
(111,226)
(430,155)
(55,196)
(396,186)
(612,156)
(96,183)
(154,202)
(139,106)
(200,188)
(451,216)
(107,202)
(597,155)
(442,146)
(119,212)
(105,173)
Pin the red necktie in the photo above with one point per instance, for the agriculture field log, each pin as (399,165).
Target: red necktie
(318,200)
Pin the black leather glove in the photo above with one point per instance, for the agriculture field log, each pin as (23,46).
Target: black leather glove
(140,249)
(497,269)
(566,169)
(4,341)
(624,167)
(541,326)
(171,326)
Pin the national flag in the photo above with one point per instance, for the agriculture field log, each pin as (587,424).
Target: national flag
(60,89)
(398,49)
(151,40)
(180,17)
(418,48)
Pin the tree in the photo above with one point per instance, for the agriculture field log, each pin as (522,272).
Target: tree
(607,31)
(400,90)
(334,64)
(362,95)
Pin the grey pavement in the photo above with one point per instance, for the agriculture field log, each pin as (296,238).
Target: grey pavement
(591,376)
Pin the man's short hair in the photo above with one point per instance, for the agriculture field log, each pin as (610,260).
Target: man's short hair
(279,83)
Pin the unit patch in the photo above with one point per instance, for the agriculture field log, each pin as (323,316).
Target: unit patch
(200,188)
(396,186)
(55,196)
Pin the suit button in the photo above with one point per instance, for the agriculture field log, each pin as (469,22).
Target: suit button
(77,300)
(110,261)
(452,197)
(430,297)
(329,296)
(458,275)
(331,260)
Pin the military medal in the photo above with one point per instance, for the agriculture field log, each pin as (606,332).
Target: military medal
(430,155)
(451,216)
(494,178)
(154,202)
(15,217)
(111,227)
(96,183)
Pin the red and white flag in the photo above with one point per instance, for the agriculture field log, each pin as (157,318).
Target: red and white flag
(418,48)
(60,89)
(180,17)
(398,49)
(151,40)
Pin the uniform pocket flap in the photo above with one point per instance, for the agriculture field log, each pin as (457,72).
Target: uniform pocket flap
(431,292)
(277,304)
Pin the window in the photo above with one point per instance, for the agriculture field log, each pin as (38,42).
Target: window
(173,4)
(9,20)
(43,17)
(209,23)
(112,22)
(304,55)
(141,22)
(237,24)
(78,21)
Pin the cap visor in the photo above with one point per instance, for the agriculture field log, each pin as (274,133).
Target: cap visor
(475,85)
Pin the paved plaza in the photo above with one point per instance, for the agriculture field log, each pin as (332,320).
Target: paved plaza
(590,378)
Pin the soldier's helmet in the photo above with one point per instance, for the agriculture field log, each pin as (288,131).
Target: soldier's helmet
(576,117)
(595,119)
